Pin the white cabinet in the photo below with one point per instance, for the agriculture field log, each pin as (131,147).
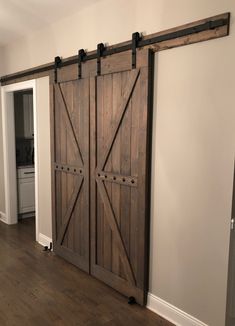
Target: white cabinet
(26,190)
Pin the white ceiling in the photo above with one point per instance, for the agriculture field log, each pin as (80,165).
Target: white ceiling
(22,17)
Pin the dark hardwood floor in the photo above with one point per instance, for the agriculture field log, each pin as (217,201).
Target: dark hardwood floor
(39,288)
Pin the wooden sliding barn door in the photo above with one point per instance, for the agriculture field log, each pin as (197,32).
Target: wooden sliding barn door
(102,162)
(119,122)
(71,171)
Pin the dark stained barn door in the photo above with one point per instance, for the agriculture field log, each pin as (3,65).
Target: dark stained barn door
(230,313)
(102,160)
(119,175)
(71,182)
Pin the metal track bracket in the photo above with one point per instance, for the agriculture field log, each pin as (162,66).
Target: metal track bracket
(135,41)
(100,50)
(57,65)
(81,56)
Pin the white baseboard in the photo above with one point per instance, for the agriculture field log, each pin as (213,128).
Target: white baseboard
(171,313)
(3,217)
(44,240)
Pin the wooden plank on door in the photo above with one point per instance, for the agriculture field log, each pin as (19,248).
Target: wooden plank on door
(120,116)
(71,213)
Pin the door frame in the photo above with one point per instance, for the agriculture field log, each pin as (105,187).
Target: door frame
(9,156)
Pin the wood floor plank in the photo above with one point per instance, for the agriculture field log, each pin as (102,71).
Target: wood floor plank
(41,289)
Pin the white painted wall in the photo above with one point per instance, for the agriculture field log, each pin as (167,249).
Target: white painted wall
(193,139)
(194,128)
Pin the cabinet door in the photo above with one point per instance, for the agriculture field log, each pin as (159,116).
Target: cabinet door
(19,116)
(31,125)
(28,115)
(26,195)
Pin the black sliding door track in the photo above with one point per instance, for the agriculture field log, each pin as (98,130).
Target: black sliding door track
(142,42)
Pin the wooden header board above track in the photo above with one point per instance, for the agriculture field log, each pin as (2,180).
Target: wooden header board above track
(208,33)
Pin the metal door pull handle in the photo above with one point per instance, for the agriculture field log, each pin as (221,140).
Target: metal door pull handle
(232,223)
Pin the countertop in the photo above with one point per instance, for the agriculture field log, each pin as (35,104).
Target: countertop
(25,166)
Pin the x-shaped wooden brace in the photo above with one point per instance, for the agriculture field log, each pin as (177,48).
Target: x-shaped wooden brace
(110,216)
(80,179)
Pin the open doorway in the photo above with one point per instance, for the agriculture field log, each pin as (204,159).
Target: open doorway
(20,152)
(40,90)
(24,148)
